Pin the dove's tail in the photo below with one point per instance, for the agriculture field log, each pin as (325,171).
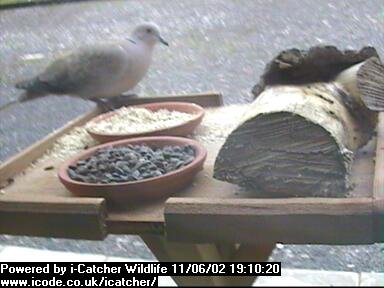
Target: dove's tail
(9,104)
(32,85)
(34,88)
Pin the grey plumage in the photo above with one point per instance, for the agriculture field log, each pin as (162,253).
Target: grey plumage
(97,71)
(82,73)
(32,85)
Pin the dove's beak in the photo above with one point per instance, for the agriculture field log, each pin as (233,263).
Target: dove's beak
(163,41)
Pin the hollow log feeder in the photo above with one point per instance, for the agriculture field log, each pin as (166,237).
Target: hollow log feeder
(313,110)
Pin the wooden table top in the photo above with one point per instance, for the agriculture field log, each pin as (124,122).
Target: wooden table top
(36,203)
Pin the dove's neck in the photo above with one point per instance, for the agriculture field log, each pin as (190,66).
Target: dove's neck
(140,42)
(138,47)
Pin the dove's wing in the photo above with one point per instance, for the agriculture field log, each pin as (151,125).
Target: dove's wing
(85,71)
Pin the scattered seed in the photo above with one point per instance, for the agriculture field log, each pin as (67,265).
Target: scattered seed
(216,125)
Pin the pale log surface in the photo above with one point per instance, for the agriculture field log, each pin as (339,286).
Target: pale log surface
(310,116)
(293,141)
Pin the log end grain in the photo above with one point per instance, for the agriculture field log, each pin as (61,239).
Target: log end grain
(370,82)
(284,154)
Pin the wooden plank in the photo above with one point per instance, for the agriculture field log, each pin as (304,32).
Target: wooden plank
(260,221)
(22,160)
(378,210)
(136,219)
(204,99)
(378,184)
(79,218)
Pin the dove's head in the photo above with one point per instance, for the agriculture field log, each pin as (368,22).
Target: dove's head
(149,33)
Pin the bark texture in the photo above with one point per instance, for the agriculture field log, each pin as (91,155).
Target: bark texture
(312,112)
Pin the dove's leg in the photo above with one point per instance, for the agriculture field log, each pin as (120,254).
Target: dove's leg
(121,100)
(115,102)
(105,105)
(129,94)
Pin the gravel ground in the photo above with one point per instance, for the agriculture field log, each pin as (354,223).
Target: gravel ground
(215,45)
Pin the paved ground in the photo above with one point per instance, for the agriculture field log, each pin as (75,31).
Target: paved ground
(215,45)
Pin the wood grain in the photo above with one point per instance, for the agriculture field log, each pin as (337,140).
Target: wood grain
(378,185)
(264,221)
(296,141)
(53,217)
(205,99)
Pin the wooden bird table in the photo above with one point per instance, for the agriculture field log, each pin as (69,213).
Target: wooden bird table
(209,221)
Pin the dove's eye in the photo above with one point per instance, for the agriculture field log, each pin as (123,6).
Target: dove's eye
(149,30)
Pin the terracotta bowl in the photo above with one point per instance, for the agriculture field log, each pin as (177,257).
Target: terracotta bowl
(179,130)
(141,190)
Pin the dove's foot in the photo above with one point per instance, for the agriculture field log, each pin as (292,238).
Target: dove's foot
(121,100)
(104,104)
(128,95)
(113,103)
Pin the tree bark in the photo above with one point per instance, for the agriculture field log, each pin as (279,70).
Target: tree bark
(318,64)
(311,114)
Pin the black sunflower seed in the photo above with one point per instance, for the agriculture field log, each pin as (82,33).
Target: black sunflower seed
(130,163)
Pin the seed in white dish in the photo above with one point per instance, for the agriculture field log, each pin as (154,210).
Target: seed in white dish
(132,120)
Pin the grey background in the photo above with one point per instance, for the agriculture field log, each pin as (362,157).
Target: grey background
(215,45)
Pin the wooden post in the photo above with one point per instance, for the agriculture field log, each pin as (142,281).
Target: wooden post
(251,253)
(179,252)
(213,252)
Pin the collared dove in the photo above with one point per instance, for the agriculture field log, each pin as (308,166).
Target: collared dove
(98,71)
